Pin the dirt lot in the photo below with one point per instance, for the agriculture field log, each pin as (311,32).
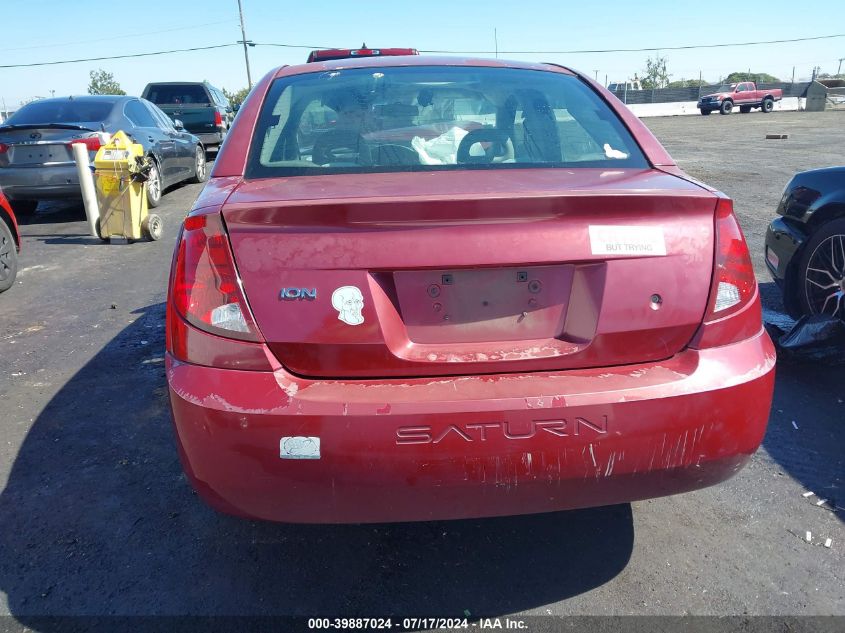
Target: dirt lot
(96,517)
(732,153)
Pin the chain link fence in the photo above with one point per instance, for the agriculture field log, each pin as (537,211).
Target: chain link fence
(671,95)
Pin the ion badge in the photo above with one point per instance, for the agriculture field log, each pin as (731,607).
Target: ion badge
(626,240)
(348,301)
(299,448)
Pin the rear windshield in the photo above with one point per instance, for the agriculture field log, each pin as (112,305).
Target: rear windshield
(177,95)
(435,118)
(62,112)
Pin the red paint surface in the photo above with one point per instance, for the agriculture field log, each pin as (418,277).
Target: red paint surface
(596,395)
(674,426)
(377,232)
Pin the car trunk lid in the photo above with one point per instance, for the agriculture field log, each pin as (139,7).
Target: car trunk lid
(32,145)
(449,273)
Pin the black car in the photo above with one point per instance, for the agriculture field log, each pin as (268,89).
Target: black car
(36,160)
(202,108)
(805,246)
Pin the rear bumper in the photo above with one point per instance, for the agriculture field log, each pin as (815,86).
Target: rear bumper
(207,139)
(40,182)
(426,449)
(783,241)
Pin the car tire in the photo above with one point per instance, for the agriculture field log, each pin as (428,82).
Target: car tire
(153,185)
(200,165)
(726,107)
(8,257)
(705,112)
(822,263)
(745,109)
(24,207)
(768,105)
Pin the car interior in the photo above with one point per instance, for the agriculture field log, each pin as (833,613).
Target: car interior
(370,123)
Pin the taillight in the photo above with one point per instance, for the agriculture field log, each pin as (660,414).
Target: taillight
(93,143)
(733,310)
(206,290)
(218,119)
(3,148)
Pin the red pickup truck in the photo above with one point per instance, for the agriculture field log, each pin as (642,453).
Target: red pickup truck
(744,95)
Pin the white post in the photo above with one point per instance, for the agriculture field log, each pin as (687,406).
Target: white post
(86,181)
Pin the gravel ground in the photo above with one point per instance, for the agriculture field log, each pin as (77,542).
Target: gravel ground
(96,517)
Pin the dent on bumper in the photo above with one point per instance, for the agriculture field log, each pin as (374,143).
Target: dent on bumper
(423,449)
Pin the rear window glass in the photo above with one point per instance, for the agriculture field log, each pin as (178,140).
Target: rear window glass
(177,95)
(435,118)
(62,112)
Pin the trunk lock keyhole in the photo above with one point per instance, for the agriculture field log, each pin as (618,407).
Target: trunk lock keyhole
(434,291)
(534,286)
(656,301)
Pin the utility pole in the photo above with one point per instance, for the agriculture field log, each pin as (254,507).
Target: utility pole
(597,74)
(246,43)
(496,42)
(839,70)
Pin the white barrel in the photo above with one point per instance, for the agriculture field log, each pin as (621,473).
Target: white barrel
(86,182)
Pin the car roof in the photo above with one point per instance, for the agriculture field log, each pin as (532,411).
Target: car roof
(414,60)
(86,98)
(178,83)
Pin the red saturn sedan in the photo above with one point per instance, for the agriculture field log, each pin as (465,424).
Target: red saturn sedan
(435,288)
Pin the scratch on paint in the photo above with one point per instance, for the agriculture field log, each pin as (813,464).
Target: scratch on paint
(610,463)
(593,455)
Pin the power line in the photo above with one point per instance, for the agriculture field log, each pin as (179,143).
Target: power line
(641,50)
(449,52)
(97,59)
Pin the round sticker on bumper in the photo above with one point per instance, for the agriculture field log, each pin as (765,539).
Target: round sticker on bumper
(349,302)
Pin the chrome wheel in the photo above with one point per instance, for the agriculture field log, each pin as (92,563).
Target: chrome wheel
(154,186)
(824,282)
(200,164)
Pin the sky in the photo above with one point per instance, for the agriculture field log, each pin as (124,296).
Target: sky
(52,30)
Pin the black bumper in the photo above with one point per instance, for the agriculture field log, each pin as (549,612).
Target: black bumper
(783,242)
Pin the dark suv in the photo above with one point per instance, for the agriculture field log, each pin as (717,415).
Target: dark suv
(202,109)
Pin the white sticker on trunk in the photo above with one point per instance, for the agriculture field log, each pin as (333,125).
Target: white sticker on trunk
(299,448)
(349,302)
(626,240)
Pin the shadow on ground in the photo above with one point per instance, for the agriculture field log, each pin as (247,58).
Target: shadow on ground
(812,396)
(97,519)
(53,212)
(812,454)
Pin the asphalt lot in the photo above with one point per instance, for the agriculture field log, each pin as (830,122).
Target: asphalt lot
(96,517)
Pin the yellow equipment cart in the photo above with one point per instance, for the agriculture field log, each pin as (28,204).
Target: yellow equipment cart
(120,169)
